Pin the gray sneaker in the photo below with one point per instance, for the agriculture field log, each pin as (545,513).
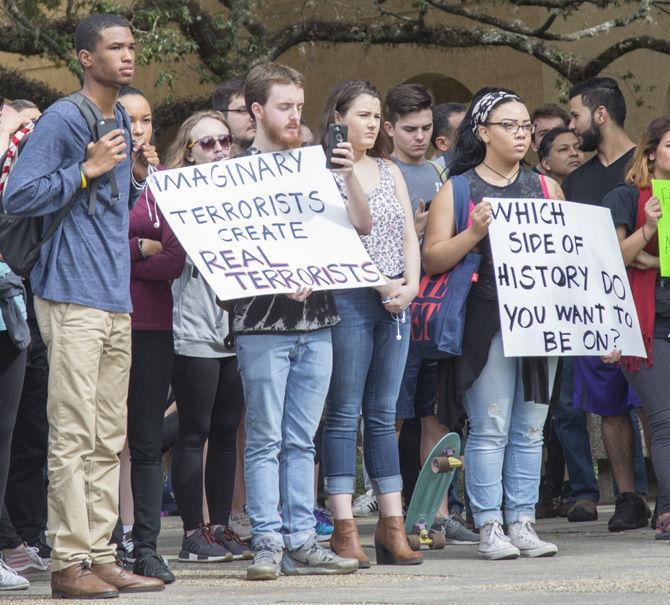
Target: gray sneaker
(267,561)
(454,531)
(313,559)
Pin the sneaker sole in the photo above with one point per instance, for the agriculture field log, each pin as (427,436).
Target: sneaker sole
(500,555)
(318,571)
(626,527)
(19,587)
(193,558)
(540,552)
(262,574)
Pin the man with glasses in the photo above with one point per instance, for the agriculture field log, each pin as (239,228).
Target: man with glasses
(229,100)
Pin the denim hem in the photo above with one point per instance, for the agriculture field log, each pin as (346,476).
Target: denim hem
(485,517)
(386,485)
(514,516)
(297,539)
(276,538)
(339,485)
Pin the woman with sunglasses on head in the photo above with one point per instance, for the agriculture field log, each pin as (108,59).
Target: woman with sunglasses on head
(206,383)
(505,398)
(371,341)
(156,259)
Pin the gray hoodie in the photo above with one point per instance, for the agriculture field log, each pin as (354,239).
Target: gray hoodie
(200,325)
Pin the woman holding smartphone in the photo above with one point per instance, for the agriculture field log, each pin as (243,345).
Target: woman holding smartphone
(207,385)
(371,341)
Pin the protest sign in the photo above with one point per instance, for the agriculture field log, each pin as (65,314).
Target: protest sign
(661,189)
(562,285)
(265,224)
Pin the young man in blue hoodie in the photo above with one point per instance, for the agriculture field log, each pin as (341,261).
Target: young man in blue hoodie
(82,302)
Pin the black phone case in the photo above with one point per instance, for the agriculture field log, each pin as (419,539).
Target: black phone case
(337,133)
(106,126)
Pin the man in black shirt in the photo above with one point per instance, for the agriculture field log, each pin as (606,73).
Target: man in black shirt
(598,113)
(284,353)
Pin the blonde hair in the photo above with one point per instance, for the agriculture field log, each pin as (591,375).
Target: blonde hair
(640,169)
(176,154)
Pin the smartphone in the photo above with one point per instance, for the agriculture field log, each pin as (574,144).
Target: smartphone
(105,126)
(337,133)
(427,205)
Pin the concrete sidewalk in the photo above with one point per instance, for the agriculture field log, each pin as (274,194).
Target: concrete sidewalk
(593,566)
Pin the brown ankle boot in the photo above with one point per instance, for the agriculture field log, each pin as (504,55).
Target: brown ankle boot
(346,542)
(79,582)
(391,544)
(125,581)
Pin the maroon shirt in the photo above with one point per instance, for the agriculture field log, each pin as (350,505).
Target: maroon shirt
(151,277)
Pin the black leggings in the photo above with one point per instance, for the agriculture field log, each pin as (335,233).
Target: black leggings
(652,385)
(209,403)
(12,371)
(150,374)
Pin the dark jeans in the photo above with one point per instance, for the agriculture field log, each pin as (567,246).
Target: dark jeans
(652,385)
(210,401)
(26,497)
(12,371)
(150,375)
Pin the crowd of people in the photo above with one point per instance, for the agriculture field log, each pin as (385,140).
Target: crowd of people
(114,349)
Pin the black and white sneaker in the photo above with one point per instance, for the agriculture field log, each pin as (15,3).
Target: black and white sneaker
(150,565)
(201,546)
(232,542)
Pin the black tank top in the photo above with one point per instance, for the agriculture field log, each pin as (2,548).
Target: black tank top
(526,185)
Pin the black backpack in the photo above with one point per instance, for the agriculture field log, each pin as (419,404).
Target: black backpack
(21,237)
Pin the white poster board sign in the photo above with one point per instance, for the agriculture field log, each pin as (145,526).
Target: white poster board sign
(562,285)
(265,224)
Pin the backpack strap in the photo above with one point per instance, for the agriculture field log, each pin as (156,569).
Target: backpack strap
(462,203)
(545,186)
(94,118)
(442,174)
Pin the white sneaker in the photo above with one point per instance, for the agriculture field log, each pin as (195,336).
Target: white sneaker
(365,505)
(494,544)
(10,580)
(241,525)
(523,536)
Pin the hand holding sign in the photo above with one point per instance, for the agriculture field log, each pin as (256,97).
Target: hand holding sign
(562,286)
(271,223)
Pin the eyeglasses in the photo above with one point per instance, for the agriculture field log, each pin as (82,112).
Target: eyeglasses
(513,127)
(239,110)
(207,143)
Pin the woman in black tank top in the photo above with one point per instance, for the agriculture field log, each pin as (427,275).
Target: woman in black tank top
(504,397)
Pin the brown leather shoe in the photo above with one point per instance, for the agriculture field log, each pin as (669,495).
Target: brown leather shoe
(391,544)
(346,542)
(125,581)
(79,582)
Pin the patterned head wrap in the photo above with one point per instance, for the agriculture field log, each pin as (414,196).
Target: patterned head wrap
(483,107)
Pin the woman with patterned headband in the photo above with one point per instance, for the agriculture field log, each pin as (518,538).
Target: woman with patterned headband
(505,397)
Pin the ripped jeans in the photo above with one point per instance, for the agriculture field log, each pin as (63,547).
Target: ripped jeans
(504,446)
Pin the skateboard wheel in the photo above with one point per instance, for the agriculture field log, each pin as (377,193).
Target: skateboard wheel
(439,541)
(443,464)
(414,542)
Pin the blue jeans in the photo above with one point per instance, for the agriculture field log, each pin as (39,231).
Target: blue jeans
(368,363)
(504,446)
(570,427)
(285,379)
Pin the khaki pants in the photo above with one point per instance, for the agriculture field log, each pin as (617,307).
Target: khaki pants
(89,365)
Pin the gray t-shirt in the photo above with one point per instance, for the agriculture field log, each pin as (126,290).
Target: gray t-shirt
(423,181)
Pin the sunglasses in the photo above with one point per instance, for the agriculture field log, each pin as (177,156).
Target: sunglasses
(207,143)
